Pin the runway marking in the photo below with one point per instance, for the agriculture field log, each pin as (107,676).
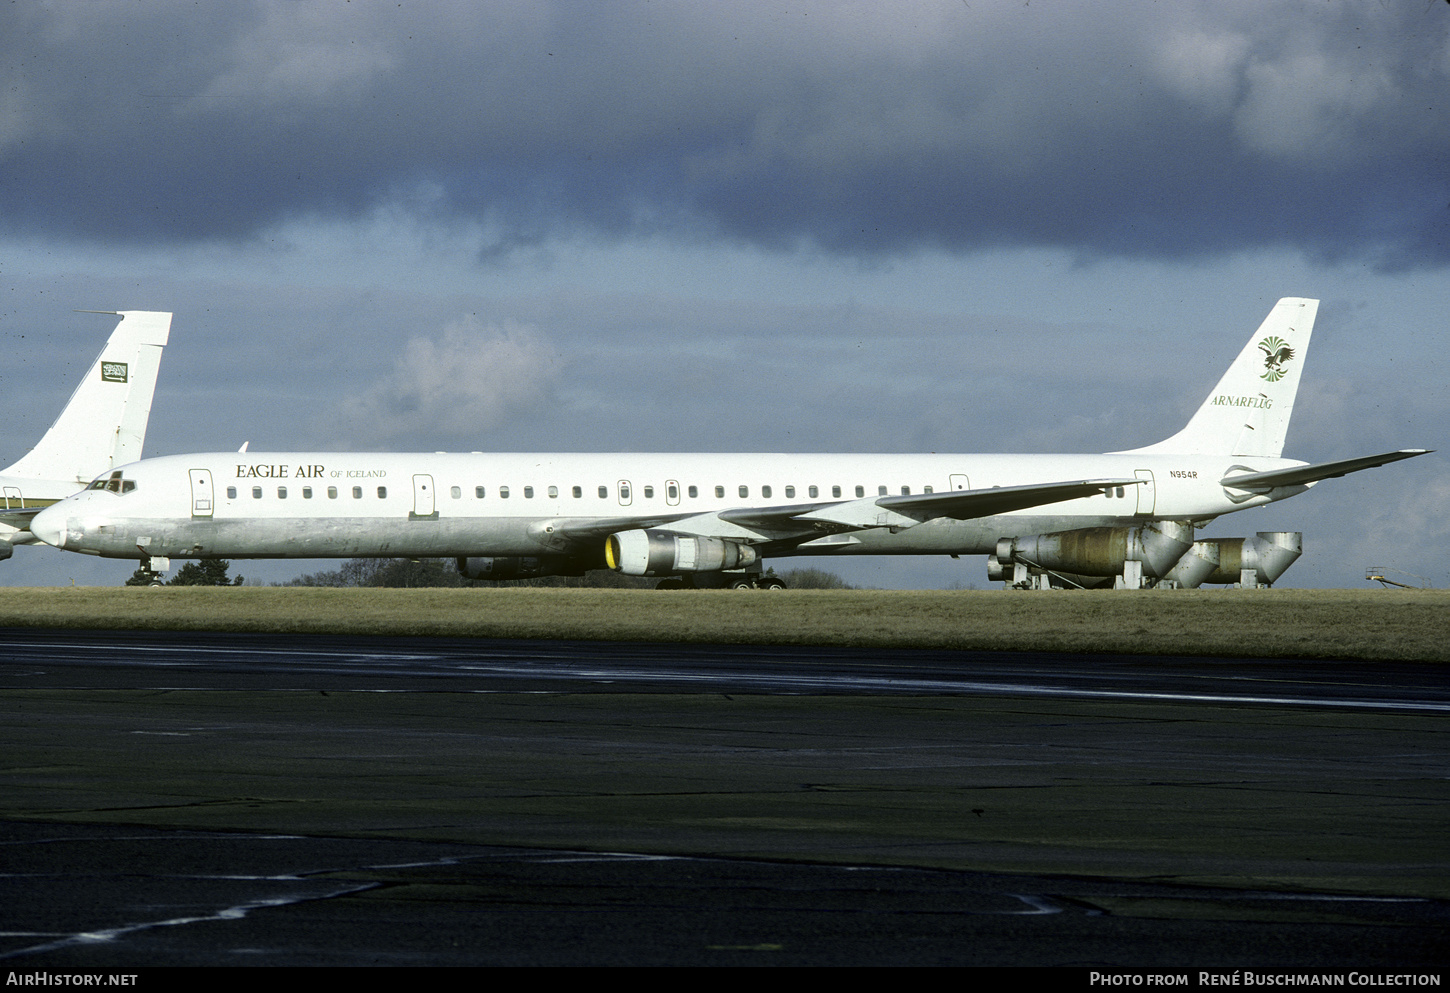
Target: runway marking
(1039,905)
(544,665)
(897,685)
(232,913)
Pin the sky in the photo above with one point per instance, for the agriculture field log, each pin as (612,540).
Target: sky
(959,226)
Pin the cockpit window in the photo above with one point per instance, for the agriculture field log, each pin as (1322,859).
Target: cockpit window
(113,483)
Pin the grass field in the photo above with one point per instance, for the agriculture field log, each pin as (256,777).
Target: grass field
(1351,624)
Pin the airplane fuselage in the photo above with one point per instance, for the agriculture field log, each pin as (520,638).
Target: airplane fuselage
(324,504)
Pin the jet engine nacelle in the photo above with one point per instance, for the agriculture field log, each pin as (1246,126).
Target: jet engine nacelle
(501,567)
(6,550)
(1257,561)
(664,553)
(1097,551)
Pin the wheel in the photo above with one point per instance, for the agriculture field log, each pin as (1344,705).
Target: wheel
(771,583)
(740,584)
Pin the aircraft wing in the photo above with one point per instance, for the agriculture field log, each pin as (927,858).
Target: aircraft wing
(606,526)
(966,505)
(1300,474)
(813,520)
(906,510)
(19,518)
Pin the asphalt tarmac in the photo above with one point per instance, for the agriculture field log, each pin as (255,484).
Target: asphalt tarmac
(233,799)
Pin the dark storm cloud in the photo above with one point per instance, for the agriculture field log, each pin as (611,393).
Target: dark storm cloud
(1136,129)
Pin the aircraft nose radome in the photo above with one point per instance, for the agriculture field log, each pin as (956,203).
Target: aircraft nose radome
(49,526)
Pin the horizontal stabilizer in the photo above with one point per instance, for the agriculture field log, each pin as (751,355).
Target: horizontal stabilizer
(20,518)
(1300,474)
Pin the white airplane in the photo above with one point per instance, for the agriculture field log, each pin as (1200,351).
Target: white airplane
(103,426)
(709,520)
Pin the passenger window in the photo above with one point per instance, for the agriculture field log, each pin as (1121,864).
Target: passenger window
(835,491)
(357,492)
(231,492)
(382,492)
(478,493)
(1120,491)
(927,489)
(624,492)
(578,492)
(765,492)
(553,492)
(281,493)
(672,492)
(720,492)
(880,491)
(604,492)
(455,491)
(906,491)
(332,493)
(860,491)
(503,492)
(649,492)
(528,492)
(813,491)
(745,491)
(790,492)
(256,493)
(307,493)
(694,491)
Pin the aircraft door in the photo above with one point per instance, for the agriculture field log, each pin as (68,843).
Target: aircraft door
(12,498)
(672,492)
(423,497)
(1147,495)
(959,481)
(626,494)
(201,493)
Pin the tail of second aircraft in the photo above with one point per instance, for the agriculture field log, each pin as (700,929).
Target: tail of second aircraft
(104,424)
(1248,411)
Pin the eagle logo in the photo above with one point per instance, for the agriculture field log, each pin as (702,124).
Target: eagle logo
(1276,353)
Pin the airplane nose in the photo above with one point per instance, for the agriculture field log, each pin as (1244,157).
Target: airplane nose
(49,526)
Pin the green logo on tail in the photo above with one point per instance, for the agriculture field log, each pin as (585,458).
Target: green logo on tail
(113,372)
(1276,353)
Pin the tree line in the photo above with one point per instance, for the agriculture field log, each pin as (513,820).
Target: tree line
(444,572)
(410,573)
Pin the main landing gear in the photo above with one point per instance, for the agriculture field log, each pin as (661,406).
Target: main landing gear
(718,581)
(153,568)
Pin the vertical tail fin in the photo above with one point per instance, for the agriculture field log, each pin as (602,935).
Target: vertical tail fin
(1248,411)
(104,424)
